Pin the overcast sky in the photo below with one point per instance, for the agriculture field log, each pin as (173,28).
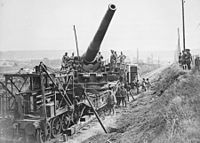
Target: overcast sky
(144,24)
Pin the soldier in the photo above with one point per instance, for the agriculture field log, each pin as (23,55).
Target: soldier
(128,89)
(148,84)
(118,96)
(72,57)
(122,58)
(111,101)
(183,57)
(144,84)
(180,59)
(71,60)
(115,59)
(137,85)
(188,58)
(112,60)
(197,63)
(124,96)
(65,60)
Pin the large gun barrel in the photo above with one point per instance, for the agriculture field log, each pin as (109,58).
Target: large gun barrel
(94,46)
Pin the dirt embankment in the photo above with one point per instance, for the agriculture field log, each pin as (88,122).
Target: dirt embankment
(168,113)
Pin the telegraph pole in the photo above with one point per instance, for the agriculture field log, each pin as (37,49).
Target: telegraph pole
(137,56)
(183,18)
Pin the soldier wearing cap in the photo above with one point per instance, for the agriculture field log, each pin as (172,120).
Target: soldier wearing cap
(123,96)
(188,58)
(112,60)
(65,60)
(111,101)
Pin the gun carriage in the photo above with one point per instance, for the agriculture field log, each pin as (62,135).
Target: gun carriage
(45,103)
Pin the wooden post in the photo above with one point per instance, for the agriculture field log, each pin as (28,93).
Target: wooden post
(76,40)
(66,98)
(43,95)
(44,113)
(96,114)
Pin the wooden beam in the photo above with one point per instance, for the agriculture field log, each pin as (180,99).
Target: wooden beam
(96,114)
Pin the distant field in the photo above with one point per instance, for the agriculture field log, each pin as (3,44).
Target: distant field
(8,69)
(28,64)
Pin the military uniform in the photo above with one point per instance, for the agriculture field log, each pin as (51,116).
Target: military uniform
(118,96)
(197,63)
(123,96)
(188,59)
(65,60)
(144,85)
(111,101)
(112,60)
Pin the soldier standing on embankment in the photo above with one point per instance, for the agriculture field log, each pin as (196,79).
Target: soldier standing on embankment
(188,59)
(137,85)
(144,85)
(124,96)
(111,101)
(148,84)
(118,96)
(197,63)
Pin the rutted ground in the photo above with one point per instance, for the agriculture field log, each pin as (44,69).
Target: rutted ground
(92,129)
(168,113)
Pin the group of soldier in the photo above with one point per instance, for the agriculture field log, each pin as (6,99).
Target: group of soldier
(144,85)
(123,93)
(120,96)
(66,59)
(114,59)
(185,59)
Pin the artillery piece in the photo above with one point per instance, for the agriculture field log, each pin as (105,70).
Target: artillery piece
(89,63)
(86,67)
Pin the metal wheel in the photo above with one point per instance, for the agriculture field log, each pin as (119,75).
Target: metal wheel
(65,121)
(56,126)
(41,136)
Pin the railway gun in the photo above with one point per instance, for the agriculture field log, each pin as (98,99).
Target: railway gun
(45,103)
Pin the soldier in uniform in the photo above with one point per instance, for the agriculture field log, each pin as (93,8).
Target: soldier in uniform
(72,57)
(148,84)
(123,96)
(122,58)
(188,58)
(112,60)
(197,63)
(137,85)
(183,57)
(128,89)
(144,84)
(118,96)
(111,101)
(180,59)
(65,60)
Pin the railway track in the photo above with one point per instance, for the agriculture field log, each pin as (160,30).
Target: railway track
(76,130)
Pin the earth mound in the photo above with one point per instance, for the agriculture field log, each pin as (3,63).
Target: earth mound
(167,113)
